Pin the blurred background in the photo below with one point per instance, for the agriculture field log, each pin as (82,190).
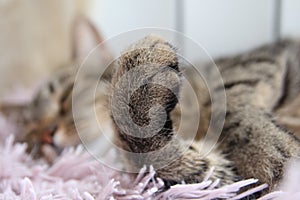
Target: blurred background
(37,36)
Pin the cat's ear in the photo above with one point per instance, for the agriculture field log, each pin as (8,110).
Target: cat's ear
(86,37)
(16,111)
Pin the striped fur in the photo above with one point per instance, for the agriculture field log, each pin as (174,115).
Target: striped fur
(252,144)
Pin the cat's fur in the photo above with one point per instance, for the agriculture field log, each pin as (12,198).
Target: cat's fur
(252,144)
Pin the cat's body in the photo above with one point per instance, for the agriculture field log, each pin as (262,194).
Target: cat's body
(260,85)
(252,144)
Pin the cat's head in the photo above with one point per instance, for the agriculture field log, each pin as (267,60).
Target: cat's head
(47,121)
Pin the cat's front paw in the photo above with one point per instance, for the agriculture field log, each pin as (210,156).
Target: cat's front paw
(145,88)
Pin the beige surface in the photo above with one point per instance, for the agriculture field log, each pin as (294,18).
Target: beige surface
(35,38)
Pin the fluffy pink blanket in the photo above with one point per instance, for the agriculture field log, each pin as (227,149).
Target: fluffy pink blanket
(76,175)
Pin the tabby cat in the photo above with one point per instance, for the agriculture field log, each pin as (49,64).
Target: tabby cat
(259,86)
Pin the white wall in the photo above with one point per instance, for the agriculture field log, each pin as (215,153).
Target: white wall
(291,18)
(222,27)
(115,16)
(229,26)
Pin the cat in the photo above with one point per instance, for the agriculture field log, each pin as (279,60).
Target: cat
(258,84)
(252,144)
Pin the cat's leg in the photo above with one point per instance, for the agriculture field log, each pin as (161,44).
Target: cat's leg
(145,89)
(255,143)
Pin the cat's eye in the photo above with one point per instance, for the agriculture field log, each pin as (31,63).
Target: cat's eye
(67,92)
(51,87)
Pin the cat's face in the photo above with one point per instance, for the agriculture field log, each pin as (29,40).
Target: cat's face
(47,123)
(47,119)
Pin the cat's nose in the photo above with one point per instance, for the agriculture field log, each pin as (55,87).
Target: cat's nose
(47,135)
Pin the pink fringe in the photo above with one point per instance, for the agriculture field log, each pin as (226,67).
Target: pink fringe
(75,175)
